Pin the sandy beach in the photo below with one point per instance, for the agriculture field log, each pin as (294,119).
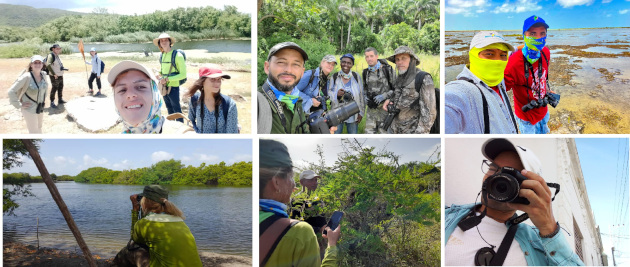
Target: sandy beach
(19,254)
(57,121)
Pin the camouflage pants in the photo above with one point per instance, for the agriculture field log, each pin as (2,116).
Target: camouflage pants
(132,255)
(374,116)
(57,87)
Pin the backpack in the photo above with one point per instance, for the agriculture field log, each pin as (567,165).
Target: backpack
(272,230)
(102,66)
(46,59)
(435,129)
(386,67)
(226,106)
(173,55)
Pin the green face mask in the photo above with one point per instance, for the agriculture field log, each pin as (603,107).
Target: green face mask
(489,71)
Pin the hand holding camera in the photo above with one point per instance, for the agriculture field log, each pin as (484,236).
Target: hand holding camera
(537,192)
(135,201)
(525,191)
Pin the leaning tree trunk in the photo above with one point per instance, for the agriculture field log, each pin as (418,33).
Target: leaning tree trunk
(32,150)
(419,23)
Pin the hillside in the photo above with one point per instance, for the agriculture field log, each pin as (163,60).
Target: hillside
(26,16)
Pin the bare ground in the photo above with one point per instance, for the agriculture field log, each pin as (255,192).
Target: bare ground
(18,254)
(238,65)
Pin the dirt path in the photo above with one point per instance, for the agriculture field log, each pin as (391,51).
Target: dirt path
(18,254)
(75,86)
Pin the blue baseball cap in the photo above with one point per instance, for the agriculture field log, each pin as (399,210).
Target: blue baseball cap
(529,22)
(348,56)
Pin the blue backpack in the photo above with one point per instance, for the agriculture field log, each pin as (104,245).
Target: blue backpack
(173,55)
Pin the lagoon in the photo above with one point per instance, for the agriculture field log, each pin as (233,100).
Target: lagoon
(220,218)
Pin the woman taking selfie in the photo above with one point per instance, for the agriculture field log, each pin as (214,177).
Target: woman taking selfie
(137,99)
(209,110)
(28,94)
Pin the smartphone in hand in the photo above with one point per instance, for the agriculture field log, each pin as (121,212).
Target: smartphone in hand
(333,223)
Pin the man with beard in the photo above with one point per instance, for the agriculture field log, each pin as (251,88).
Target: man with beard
(378,85)
(280,109)
(314,83)
(497,221)
(414,95)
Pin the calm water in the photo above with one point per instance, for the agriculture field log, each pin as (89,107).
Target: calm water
(219,218)
(212,46)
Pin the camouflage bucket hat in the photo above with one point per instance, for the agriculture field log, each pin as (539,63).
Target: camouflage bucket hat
(404,50)
(155,192)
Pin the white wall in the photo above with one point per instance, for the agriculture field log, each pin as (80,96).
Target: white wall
(463,178)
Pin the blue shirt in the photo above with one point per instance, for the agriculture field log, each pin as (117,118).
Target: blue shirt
(308,91)
(538,251)
(464,107)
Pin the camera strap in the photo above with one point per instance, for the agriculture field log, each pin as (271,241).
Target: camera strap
(38,90)
(278,106)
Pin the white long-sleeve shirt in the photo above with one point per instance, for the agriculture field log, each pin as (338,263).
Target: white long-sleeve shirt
(96,65)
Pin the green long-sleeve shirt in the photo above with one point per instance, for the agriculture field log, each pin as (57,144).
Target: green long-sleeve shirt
(180,66)
(169,240)
(298,247)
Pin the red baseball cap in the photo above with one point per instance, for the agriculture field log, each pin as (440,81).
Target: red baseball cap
(212,73)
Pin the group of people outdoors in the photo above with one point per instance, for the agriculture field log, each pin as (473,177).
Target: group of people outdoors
(477,102)
(291,95)
(138,93)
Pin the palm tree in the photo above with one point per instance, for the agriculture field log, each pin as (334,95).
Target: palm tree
(353,11)
(424,9)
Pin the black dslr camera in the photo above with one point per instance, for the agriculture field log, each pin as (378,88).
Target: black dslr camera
(40,108)
(392,112)
(550,98)
(319,122)
(322,105)
(504,186)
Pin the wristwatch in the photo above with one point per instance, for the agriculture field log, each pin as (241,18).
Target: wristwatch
(554,233)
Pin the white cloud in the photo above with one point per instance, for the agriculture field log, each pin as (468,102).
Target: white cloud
(609,15)
(160,156)
(608,1)
(519,6)
(207,158)
(187,160)
(624,11)
(63,161)
(570,3)
(88,161)
(467,8)
(123,165)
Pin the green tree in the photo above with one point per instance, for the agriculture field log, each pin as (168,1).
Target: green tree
(13,154)
(392,210)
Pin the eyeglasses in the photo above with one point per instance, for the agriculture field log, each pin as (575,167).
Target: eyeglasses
(488,167)
(37,63)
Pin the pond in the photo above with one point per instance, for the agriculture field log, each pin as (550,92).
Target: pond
(220,218)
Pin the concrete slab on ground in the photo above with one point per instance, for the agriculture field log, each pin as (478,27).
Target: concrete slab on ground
(93,114)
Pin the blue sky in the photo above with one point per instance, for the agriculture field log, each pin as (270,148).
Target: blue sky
(71,156)
(559,14)
(605,166)
(126,7)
